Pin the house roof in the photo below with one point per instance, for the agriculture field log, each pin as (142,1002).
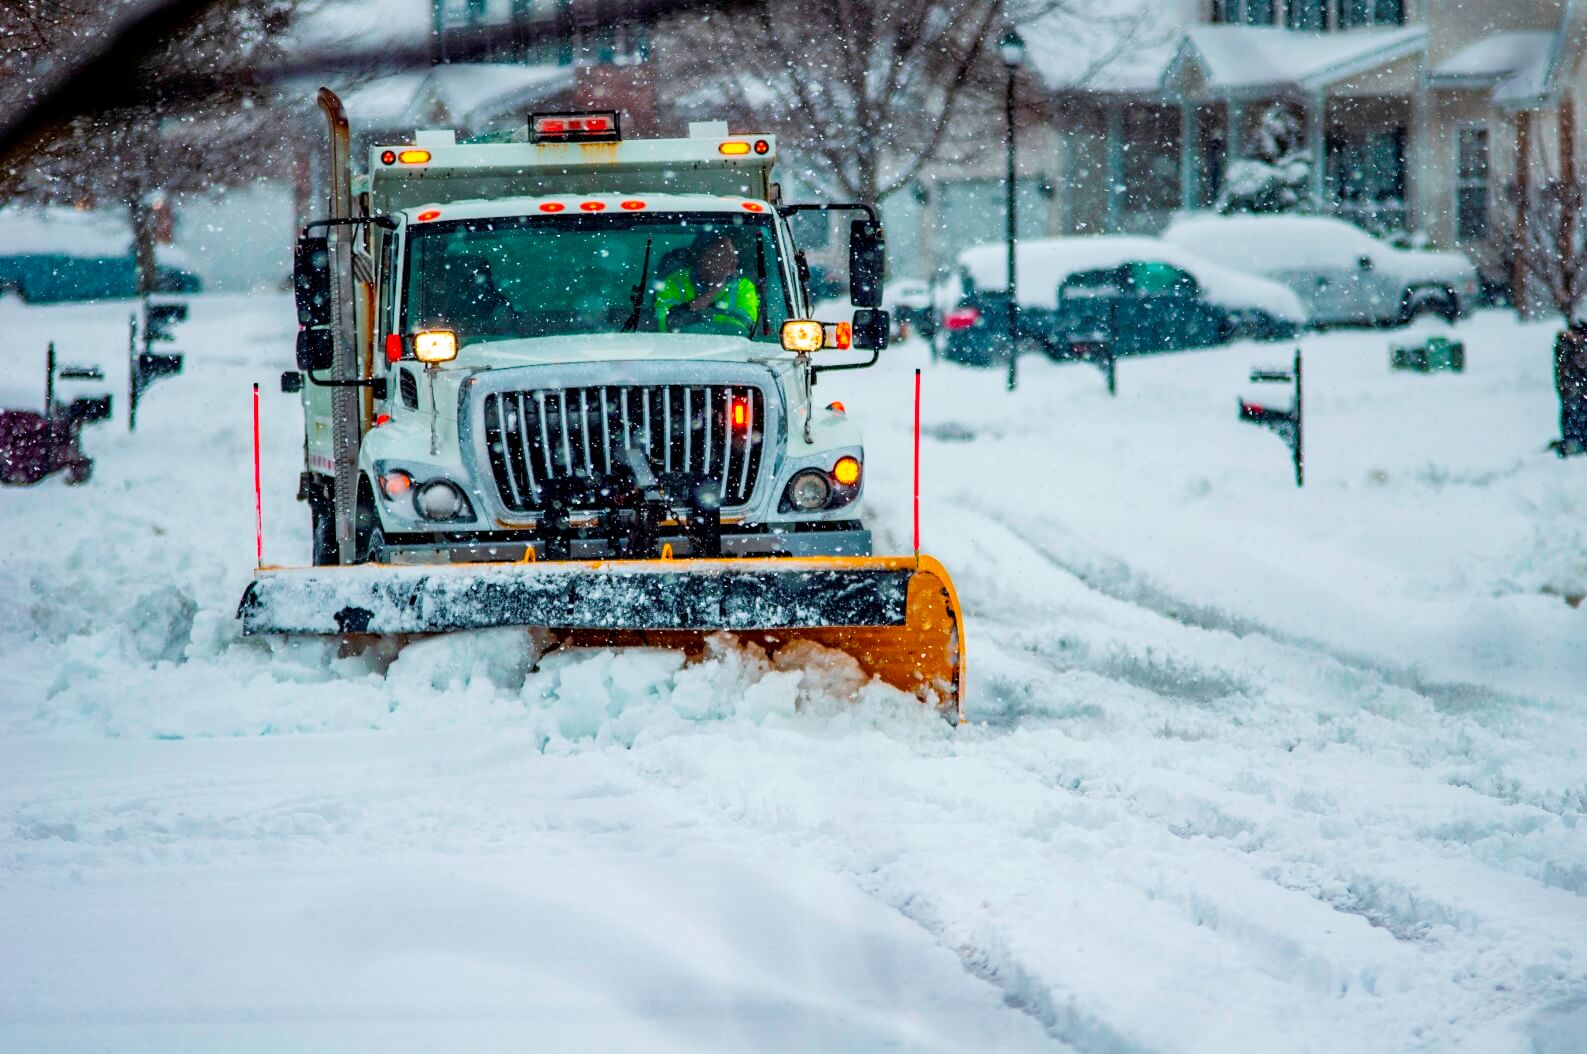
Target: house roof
(1235,59)
(469,94)
(1115,46)
(1534,82)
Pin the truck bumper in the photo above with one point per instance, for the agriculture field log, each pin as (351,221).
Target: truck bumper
(855,542)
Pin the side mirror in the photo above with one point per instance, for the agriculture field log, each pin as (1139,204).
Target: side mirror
(315,349)
(871,326)
(311,281)
(1366,263)
(867,259)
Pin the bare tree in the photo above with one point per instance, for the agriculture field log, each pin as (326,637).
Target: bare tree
(131,155)
(870,92)
(1545,229)
(1549,257)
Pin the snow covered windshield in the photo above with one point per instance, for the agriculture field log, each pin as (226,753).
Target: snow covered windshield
(505,278)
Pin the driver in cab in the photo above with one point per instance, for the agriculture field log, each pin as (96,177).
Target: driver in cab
(708,295)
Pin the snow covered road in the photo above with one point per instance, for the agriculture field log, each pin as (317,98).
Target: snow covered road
(1248,768)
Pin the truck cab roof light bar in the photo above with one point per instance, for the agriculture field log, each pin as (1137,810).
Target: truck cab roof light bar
(594,126)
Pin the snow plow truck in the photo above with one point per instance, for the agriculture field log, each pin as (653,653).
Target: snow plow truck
(568,383)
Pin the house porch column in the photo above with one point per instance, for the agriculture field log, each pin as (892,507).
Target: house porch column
(1316,140)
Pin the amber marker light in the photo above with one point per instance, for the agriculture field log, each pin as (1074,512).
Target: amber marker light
(754,206)
(734,148)
(427,215)
(846,471)
(803,335)
(593,206)
(633,206)
(436,345)
(552,206)
(414,157)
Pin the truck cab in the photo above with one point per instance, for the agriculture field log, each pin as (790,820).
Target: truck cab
(577,348)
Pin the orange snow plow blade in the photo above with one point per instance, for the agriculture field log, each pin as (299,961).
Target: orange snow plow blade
(898,617)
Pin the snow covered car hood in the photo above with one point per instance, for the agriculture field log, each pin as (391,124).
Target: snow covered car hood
(1043,263)
(1294,244)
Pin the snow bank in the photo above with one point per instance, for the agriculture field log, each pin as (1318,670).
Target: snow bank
(1044,263)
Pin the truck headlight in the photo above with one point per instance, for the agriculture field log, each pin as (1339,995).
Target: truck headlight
(441,500)
(809,490)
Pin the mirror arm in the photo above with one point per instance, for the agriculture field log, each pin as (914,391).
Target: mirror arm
(383,222)
(376,383)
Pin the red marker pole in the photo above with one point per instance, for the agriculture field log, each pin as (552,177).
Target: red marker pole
(917,464)
(258,502)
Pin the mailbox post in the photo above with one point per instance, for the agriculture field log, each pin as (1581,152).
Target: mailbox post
(1288,424)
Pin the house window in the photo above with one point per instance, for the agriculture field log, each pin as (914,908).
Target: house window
(1306,14)
(1366,176)
(1388,12)
(1243,12)
(1151,158)
(1471,185)
(1353,14)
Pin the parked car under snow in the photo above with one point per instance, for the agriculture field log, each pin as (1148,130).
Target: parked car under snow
(60,254)
(1342,273)
(1146,295)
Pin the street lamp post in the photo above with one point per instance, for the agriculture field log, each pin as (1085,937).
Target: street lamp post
(1012,48)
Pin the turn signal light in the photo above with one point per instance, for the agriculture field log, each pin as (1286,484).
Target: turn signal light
(803,335)
(436,345)
(846,471)
(734,148)
(414,157)
(396,484)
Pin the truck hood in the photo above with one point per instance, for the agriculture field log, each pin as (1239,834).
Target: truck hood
(611,347)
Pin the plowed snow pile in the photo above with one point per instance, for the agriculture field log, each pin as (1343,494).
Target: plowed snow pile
(1248,768)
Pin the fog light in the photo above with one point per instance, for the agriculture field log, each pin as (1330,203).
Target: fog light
(440,500)
(809,491)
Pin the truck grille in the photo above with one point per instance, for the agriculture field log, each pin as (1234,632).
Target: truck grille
(571,441)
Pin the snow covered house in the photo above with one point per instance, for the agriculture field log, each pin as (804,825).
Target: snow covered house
(1417,108)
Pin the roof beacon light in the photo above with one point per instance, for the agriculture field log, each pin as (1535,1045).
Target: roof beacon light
(596,126)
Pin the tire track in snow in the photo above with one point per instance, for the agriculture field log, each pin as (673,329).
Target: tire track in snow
(1488,706)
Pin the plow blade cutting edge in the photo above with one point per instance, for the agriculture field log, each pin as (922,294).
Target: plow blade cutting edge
(898,617)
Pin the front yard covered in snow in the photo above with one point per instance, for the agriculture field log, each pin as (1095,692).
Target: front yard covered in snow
(1248,767)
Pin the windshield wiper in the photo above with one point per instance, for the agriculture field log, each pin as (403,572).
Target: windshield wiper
(760,290)
(632,325)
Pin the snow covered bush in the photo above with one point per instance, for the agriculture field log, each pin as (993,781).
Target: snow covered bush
(1275,173)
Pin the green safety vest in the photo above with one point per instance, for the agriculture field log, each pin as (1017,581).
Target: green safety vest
(734,309)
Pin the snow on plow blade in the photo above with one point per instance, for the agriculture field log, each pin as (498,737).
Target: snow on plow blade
(897,616)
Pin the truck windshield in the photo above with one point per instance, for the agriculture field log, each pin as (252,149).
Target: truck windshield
(505,278)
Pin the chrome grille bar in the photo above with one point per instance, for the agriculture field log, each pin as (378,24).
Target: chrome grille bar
(537,425)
